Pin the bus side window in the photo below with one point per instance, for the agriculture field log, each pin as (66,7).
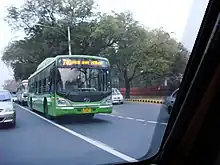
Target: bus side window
(44,86)
(39,87)
(35,91)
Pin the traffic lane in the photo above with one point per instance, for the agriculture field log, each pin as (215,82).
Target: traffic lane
(128,136)
(146,111)
(35,141)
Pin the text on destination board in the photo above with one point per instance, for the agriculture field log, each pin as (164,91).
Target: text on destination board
(69,62)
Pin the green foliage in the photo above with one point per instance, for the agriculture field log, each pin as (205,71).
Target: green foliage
(134,52)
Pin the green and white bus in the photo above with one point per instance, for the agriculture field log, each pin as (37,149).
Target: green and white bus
(71,85)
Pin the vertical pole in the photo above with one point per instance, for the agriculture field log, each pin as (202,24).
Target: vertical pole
(69,42)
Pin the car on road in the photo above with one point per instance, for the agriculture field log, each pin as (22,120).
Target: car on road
(170,100)
(117,97)
(22,92)
(14,97)
(7,111)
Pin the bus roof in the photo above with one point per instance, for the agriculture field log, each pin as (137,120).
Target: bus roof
(50,60)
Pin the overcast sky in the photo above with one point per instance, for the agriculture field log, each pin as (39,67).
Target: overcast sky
(183,18)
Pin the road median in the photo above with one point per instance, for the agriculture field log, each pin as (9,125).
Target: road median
(153,101)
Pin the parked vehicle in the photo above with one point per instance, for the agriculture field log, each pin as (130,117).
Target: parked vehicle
(22,92)
(7,111)
(170,100)
(117,97)
(14,97)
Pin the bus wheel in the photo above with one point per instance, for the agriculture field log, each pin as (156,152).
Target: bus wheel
(31,106)
(46,109)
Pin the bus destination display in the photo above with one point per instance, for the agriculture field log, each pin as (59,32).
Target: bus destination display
(82,62)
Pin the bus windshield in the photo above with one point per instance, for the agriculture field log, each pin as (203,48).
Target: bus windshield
(82,80)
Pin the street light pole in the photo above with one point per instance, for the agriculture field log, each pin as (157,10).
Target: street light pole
(68,29)
(69,41)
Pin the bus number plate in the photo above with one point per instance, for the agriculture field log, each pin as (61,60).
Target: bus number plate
(87,110)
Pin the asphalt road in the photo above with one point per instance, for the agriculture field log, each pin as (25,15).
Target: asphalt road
(124,135)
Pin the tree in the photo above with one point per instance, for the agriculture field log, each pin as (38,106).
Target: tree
(48,11)
(10,85)
(45,23)
(177,67)
(137,51)
(134,51)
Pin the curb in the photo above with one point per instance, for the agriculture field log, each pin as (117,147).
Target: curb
(146,101)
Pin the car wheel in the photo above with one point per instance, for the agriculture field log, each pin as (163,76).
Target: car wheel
(122,102)
(13,124)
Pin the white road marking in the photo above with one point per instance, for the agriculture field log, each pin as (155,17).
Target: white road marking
(155,122)
(96,143)
(103,114)
(141,120)
(129,118)
(164,123)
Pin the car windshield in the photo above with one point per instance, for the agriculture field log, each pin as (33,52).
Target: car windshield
(82,80)
(115,92)
(5,96)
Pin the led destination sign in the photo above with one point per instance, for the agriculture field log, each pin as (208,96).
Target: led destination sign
(82,62)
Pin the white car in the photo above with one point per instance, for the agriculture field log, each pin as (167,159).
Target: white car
(7,111)
(14,97)
(170,100)
(117,97)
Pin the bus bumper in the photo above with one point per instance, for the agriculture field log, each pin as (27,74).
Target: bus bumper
(60,111)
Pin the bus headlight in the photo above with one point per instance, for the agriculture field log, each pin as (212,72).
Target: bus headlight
(107,100)
(62,102)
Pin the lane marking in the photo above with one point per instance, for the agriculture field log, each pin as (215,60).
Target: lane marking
(129,118)
(164,123)
(153,122)
(103,114)
(141,120)
(96,143)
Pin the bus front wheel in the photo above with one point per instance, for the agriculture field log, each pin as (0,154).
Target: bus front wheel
(46,109)
(30,104)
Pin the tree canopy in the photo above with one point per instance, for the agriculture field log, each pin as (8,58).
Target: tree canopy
(134,51)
